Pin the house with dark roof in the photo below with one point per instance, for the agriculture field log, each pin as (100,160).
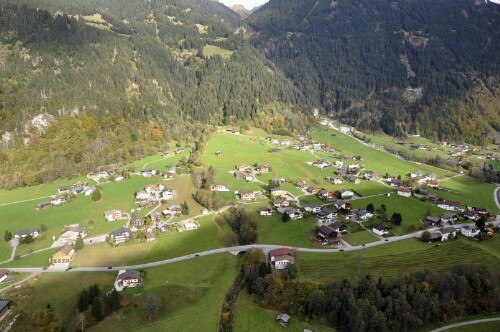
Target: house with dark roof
(380,230)
(325,216)
(329,235)
(4,308)
(120,235)
(129,278)
(281,258)
(312,207)
(432,221)
(33,232)
(3,275)
(283,319)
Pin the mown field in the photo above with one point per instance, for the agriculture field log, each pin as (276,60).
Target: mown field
(397,259)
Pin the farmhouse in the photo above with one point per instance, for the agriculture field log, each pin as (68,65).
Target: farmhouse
(266,211)
(41,206)
(65,255)
(447,205)
(220,187)
(147,173)
(240,167)
(150,236)
(294,214)
(325,194)
(113,215)
(63,190)
(321,163)
(449,218)
(58,200)
(167,175)
(25,232)
(380,230)
(141,196)
(281,202)
(167,194)
(281,258)
(416,173)
(340,204)
(190,226)
(120,235)
(447,233)
(352,179)
(71,233)
(338,227)
(88,190)
(262,169)
(335,179)
(404,191)
(339,163)
(129,278)
(162,226)
(470,231)
(329,235)
(279,192)
(432,221)
(245,195)
(472,215)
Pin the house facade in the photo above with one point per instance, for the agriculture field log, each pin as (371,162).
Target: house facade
(282,258)
(129,278)
(120,235)
(65,255)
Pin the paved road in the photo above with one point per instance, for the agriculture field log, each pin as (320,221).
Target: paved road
(448,327)
(235,249)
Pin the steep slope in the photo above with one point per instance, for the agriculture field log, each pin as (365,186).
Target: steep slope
(126,75)
(241,10)
(401,66)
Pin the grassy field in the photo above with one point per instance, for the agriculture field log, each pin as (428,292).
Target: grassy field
(38,259)
(211,50)
(411,209)
(359,238)
(397,259)
(466,190)
(191,293)
(250,317)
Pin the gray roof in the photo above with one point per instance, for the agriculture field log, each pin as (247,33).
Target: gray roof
(132,274)
(448,230)
(26,231)
(3,304)
(283,317)
(120,231)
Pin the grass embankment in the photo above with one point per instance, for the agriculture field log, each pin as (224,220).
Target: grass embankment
(399,258)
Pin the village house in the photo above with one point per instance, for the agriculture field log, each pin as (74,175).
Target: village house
(329,235)
(325,194)
(326,216)
(262,169)
(266,211)
(472,215)
(281,202)
(242,175)
(58,200)
(120,235)
(245,195)
(167,175)
(380,230)
(470,231)
(416,173)
(25,232)
(447,233)
(129,278)
(283,319)
(432,221)
(141,196)
(190,226)
(147,173)
(353,167)
(294,214)
(321,163)
(301,185)
(89,190)
(147,203)
(281,258)
(174,209)
(432,183)
(63,190)
(312,207)
(340,204)
(64,256)
(167,194)
(346,193)
(71,233)
(335,179)
(447,205)
(3,275)
(167,154)
(162,226)
(404,191)
(338,227)
(241,167)
(278,181)
(449,218)
(352,179)
(113,215)
(364,215)
(279,192)
(220,187)
(339,164)
(41,206)
(150,236)
(137,222)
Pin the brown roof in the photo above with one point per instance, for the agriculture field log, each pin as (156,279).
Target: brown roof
(282,252)
(66,249)
(3,272)
(284,258)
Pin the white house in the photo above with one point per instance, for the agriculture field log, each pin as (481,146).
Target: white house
(113,215)
(3,275)
(380,230)
(88,190)
(129,278)
(294,214)
(321,163)
(447,233)
(189,226)
(266,211)
(281,258)
(404,191)
(416,173)
(141,196)
(364,215)
(447,205)
(470,231)
(167,194)
(339,163)
(25,232)
(314,208)
(220,187)
(346,193)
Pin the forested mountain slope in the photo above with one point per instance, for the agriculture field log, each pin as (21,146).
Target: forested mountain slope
(427,66)
(126,69)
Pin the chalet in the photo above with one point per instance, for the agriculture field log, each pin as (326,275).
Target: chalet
(3,275)
(364,215)
(329,235)
(262,169)
(71,233)
(167,194)
(368,175)
(321,163)
(436,236)
(147,173)
(346,193)
(167,154)
(41,206)
(314,208)
(432,221)
(335,179)
(352,179)
(281,258)
(137,221)
(242,175)
(155,216)
(219,187)
(278,181)
(232,131)
(279,192)
(416,173)
(326,216)
(353,167)
(283,319)
(404,191)
(64,256)
(25,232)
(141,196)
(301,185)
(266,211)
(190,226)
(449,218)
(447,233)
(281,202)
(294,214)
(245,195)
(325,194)
(58,200)
(380,230)
(88,190)
(469,231)
(339,204)
(240,167)
(162,226)
(338,226)
(472,215)
(167,175)
(129,278)
(120,235)
(394,183)
(63,190)
(447,205)
(312,190)
(179,150)
(150,236)
(113,215)
(339,163)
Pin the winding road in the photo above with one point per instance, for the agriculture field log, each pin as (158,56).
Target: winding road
(471,322)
